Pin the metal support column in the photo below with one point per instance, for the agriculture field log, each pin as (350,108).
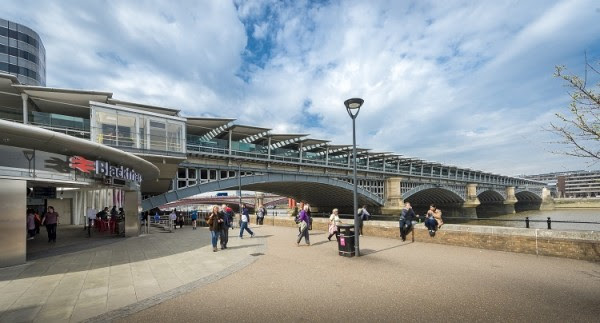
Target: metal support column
(229,141)
(25,98)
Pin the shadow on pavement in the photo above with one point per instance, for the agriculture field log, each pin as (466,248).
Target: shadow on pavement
(366,252)
(322,242)
(77,252)
(244,246)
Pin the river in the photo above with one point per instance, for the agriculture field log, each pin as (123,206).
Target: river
(577,215)
(518,219)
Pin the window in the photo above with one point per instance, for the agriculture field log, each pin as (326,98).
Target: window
(142,125)
(107,127)
(174,137)
(157,135)
(126,130)
(181,173)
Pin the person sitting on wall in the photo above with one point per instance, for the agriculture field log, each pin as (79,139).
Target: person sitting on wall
(433,219)
(406,220)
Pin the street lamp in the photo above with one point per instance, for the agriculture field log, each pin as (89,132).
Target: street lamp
(240,186)
(353,107)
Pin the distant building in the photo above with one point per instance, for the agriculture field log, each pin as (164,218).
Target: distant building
(574,184)
(22,53)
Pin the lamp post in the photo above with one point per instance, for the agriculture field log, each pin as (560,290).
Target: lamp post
(353,107)
(240,187)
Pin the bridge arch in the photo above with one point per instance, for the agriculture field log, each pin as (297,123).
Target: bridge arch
(322,191)
(427,193)
(492,203)
(527,200)
(490,196)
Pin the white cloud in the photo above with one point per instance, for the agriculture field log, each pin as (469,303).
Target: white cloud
(459,82)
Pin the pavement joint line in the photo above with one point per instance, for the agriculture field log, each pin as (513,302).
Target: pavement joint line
(90,262)
(172,293)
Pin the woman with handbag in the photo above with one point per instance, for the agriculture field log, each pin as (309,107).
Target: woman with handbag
(303,226)
(215,223)
(334,221)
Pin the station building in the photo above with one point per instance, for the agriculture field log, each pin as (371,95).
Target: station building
(75,150)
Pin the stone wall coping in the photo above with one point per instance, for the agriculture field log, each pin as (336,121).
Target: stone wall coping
(588,235)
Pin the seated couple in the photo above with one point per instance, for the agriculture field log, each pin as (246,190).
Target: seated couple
(433,220)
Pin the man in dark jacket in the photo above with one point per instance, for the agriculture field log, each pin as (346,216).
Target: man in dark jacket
(227,215)
(408,215)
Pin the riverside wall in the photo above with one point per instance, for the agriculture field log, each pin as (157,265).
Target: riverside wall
(582,245)
(577,203)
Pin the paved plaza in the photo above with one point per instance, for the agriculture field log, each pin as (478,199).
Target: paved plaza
(175,277)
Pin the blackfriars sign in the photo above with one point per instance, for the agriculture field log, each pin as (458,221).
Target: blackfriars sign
(104,168)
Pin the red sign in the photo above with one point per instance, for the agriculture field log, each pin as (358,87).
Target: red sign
(104,168)
(82,164)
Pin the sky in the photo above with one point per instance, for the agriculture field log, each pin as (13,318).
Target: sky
(465,83)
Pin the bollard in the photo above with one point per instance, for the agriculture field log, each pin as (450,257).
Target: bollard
(527,222)
(549,224)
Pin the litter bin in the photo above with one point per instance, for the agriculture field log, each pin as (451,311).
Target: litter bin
(346,241)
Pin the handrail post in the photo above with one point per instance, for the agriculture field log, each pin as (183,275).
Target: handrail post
(527,222)
(549,223)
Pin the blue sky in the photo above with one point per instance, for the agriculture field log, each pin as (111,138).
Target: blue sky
(467,83)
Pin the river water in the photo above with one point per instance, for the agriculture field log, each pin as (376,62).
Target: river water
(572,215)
(518,219)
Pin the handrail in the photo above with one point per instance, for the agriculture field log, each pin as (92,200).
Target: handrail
(526,220)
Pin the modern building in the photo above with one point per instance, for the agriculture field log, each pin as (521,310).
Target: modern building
(572,184)
(22,53)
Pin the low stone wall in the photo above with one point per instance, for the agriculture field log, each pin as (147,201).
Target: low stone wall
(583,245)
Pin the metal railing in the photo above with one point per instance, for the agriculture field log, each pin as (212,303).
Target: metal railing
(450,220)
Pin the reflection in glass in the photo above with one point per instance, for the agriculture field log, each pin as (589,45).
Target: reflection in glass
(157,135)
(174,137)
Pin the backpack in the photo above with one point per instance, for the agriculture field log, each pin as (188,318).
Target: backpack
(363,216)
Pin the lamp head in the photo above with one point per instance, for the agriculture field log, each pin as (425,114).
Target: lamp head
(354,103)
(353,106)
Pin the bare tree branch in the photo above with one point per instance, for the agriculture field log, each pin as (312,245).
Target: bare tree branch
(580,128)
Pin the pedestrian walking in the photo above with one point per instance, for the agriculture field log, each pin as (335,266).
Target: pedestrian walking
(50,220)
(406,220)
(172,219)
(90,215)
(180,220)
(194,219)
(363,215)
(309,214)
(225,227)
(303,226)
(334,221)
(38,222)
(31,224)
(260,215)
(297,218)
(156,217)
(434,221)
(244,222)
(214,225)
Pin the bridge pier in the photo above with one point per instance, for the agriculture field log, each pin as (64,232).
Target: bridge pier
(393,196)
(259,199)
(469,207)
(511,200)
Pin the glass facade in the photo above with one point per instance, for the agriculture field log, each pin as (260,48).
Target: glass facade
(124,128)
(22,53)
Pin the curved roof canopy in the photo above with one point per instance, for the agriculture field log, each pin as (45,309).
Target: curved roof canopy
(31,137)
